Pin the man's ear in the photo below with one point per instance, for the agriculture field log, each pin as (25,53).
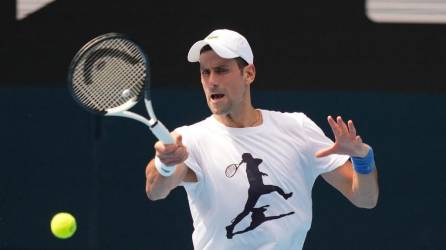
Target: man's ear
(250,73)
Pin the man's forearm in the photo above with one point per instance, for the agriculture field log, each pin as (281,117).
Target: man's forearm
(365,189)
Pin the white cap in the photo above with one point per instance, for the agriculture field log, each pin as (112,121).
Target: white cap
(226,43)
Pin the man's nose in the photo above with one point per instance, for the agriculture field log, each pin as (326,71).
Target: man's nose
(213,79)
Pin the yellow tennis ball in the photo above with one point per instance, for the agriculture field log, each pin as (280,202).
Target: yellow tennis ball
(63,225)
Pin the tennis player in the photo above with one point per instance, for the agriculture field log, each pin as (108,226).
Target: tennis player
(267,203)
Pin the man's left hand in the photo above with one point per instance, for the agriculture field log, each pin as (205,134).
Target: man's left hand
(347,142)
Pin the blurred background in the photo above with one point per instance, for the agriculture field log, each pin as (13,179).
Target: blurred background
(380,63)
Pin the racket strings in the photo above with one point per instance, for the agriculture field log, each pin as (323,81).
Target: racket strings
(110,74)
(134,78)
(91,94)
(114,75)
(86,95)
(231,170)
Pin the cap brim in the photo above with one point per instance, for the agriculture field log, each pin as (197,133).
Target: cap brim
(194,51)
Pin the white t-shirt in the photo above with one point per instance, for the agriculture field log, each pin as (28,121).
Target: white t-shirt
(279,160)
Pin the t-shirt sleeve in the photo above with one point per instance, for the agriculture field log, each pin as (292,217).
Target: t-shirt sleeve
(317,140)
(188,139)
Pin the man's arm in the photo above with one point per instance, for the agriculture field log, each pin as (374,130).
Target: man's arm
(358,183)
(159,186)
(361,189)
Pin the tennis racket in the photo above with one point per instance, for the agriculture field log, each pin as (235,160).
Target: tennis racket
(109,75)
(232,169)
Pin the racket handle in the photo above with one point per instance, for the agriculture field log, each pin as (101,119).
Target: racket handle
(161,132)
(163,169)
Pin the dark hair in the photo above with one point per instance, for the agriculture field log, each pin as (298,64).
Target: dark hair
(240,61)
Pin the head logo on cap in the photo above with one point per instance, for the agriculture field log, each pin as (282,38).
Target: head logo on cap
(226,43)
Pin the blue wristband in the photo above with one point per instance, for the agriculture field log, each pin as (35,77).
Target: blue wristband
(364,165)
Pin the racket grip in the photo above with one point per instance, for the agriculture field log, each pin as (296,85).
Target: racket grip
(163,169)
(162,133)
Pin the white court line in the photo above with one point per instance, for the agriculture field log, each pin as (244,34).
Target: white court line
(407,11)
(27,7)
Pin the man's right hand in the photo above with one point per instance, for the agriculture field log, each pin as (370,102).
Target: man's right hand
(172,154)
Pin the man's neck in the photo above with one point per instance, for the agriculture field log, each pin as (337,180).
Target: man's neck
(249,118)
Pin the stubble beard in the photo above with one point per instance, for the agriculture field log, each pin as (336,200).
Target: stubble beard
(220,109)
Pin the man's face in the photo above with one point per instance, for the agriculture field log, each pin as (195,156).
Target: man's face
(226,86)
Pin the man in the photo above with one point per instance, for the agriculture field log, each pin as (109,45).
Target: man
(274,157)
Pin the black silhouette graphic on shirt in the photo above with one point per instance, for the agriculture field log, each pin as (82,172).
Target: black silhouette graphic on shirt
(256,189)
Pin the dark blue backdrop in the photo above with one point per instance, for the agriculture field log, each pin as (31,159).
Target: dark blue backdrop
(56,156)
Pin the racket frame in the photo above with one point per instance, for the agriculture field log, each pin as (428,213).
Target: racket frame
(157,128)
(230,166)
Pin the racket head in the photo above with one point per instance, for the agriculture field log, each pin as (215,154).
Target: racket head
(231,170)
(109,74)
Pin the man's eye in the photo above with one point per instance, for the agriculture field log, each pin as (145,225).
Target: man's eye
(221,70)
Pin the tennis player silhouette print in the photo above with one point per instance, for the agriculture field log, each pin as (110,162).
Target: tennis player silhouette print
(256,189)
